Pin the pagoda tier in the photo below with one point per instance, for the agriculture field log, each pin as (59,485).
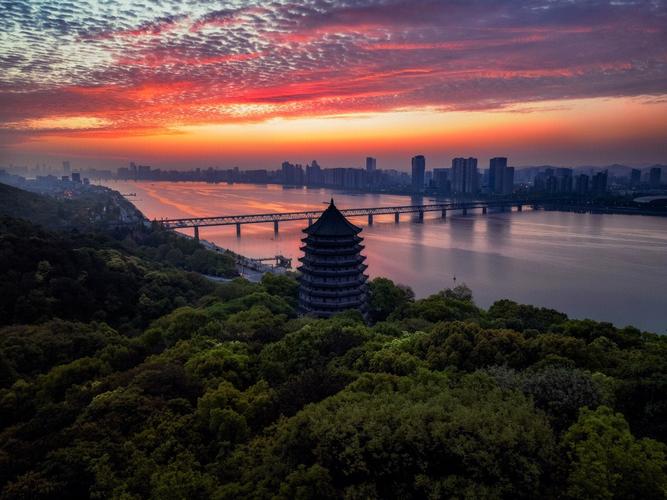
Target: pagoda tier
(349,250)
(332,272)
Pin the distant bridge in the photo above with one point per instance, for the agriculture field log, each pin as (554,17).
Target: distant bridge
(311,215)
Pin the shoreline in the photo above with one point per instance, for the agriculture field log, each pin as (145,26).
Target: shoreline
(577,207)
(247,268)
(483,297)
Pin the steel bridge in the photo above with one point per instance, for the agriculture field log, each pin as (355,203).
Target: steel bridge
(311,215)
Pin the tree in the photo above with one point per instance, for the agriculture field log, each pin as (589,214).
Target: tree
(608,462)
(285,286)
(561,392)
(460,438)
(385,298)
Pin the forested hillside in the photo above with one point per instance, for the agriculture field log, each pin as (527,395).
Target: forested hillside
(78,207)
(122,376)
(76,266)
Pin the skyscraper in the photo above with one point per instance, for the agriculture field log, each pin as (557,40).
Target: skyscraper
(314,174)
(581,184)
(635,177)
(497,168)
(418,169)
(292,175)
(332,271)
(508,181)
(654,177)
(67,168)
(465,177)
(371,164)
(441,180)
(564,179)
(599,183)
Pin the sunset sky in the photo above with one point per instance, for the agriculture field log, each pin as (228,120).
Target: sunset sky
(189,84)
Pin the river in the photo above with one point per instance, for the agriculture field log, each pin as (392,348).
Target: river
(599,266)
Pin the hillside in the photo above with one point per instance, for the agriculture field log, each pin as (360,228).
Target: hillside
(80,269)
(89,208)
(123,376)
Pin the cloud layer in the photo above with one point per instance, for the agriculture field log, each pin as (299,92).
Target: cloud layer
(133,67)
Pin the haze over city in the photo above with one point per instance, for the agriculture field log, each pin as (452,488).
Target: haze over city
(250,84)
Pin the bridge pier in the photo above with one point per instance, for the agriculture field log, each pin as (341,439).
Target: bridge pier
(416,214)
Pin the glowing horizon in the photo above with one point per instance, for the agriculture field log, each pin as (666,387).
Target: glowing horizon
(184,86)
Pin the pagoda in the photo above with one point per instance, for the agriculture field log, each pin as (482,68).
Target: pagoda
(332,271)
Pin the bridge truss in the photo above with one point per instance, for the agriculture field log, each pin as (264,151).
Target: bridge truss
(228,220)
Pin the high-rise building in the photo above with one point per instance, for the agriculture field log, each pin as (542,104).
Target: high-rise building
(581,184)
(292,175)
(143,172)
(260,176)
(441,180)
(371,164)
(465,177)
(332,268)
(599,183)
(654,177)
(497,168)
(67,168)
(564,180)
(635,177)
(314,174)
(554,180)
(428,178)
(76,177)
(418,169)
(508,181)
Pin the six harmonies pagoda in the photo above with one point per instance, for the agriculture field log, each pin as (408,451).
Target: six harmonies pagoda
(332,268)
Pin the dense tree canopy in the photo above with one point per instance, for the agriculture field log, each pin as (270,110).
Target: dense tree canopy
(124,377)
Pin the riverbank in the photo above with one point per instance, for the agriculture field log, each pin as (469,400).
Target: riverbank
(249,269)
(599,266)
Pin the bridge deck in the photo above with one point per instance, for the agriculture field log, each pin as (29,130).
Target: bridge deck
(226,220)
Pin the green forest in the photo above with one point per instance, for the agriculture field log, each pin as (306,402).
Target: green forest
(126,373)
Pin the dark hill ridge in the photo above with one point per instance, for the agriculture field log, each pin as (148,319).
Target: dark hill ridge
(22,204)
(60,259)
(80,208)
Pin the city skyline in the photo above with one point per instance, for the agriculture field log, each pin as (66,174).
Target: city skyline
(188,85)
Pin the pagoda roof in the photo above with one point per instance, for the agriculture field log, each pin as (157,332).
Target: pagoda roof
(332,223)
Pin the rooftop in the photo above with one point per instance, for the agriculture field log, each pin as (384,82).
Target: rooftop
(332,223)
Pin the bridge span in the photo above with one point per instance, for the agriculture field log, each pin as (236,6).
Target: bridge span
(311,215)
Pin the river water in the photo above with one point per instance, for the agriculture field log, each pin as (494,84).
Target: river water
(599,266)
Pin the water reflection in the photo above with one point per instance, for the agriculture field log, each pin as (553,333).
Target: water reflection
(607,267)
